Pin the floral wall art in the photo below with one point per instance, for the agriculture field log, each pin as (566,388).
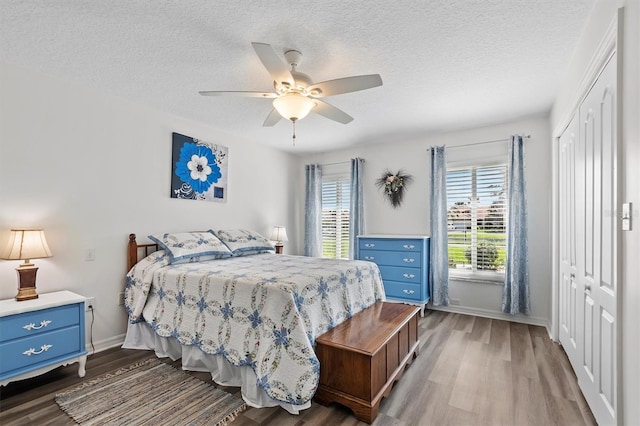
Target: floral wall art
(199,169)
(394,186)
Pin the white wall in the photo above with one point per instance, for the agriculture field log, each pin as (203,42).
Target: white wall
(413,216)
(90,169)
(602,16)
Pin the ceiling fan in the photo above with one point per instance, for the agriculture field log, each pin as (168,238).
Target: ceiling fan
(295,93)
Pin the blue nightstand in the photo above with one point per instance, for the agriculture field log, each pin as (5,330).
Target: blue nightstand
(41,334)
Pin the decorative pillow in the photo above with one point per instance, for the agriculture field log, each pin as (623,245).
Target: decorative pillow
(243,242)
(191,246)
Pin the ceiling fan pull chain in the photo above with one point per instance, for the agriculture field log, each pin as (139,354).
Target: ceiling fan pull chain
(294,133)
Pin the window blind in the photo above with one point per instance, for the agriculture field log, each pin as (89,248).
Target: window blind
(335,216)
(476,218)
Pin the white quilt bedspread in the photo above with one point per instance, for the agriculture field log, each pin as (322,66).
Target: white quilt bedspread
(263,311)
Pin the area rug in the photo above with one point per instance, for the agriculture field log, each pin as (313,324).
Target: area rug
(149,393)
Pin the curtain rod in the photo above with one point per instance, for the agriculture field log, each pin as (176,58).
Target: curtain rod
(483,142)
(336,163)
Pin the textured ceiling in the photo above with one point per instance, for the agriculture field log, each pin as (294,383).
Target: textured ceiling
(446,64)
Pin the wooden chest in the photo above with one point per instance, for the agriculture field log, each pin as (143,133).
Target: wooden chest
(362,357)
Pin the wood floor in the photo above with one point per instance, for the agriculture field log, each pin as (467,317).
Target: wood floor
(470,371)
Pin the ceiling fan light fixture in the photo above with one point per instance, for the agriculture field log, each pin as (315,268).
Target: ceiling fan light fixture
(293,106)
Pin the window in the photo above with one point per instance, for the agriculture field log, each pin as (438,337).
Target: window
(476,219)
(335,214)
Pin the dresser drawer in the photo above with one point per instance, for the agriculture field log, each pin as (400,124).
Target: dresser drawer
(389,244)
(403,261)
(37,322)
(401,274)
(30,351)
(393,258)
(405,291)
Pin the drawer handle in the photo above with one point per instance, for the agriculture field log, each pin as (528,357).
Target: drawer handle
(408,275)
(32,326)
(369,245)
(408,260)
(408,291)
(408,246)
(32,351)
(368,258)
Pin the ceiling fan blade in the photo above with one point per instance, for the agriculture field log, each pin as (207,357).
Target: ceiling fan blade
(238,93)
(331,112)
(272,119)
(344,85)
(272,62)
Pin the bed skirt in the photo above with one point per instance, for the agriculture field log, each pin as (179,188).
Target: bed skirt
(141,336)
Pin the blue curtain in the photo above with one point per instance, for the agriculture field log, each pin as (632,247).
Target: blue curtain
(356,207)
(439,263)
(515,297)
(313,211)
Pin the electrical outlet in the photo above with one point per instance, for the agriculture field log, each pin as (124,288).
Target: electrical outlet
(90,303)
(90,255)
(455,301)
(121,298)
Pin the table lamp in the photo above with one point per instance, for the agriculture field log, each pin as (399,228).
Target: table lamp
(26,244)
(279,235)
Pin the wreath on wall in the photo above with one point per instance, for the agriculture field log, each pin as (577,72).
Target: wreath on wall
(394,185)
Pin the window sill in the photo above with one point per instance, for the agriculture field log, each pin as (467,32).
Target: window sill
(478,277)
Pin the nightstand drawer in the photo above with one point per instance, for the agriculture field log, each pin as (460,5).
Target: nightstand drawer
(392,258)
(403,290)
(389,244)
(37,322)
(399,273)
(31,351)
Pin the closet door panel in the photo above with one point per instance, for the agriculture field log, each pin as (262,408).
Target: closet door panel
(597,281)
(606,279)
(568,225)
(589,352)
(607,362)
(608,210)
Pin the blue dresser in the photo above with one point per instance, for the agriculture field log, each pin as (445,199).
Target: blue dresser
(41,334)
(403,263)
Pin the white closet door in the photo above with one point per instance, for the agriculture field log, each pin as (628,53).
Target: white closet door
(597,254)
(588,241)
(570,324)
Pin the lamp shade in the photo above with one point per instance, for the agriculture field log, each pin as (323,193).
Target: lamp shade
(25,244)
(279,234)
(293,106)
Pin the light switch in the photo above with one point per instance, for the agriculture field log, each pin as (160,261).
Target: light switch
(626,217)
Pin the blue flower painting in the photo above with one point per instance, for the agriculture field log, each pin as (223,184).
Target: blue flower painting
(199,169)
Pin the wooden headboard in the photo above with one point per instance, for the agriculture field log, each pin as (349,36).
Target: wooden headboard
(134,250)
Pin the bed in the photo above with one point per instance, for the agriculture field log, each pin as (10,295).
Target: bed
(250,318)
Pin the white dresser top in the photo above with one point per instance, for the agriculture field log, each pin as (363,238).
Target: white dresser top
(392,236)
(44,301)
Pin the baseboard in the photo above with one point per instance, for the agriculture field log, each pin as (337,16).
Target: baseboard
(118,340)
(103,345)
(485,313)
